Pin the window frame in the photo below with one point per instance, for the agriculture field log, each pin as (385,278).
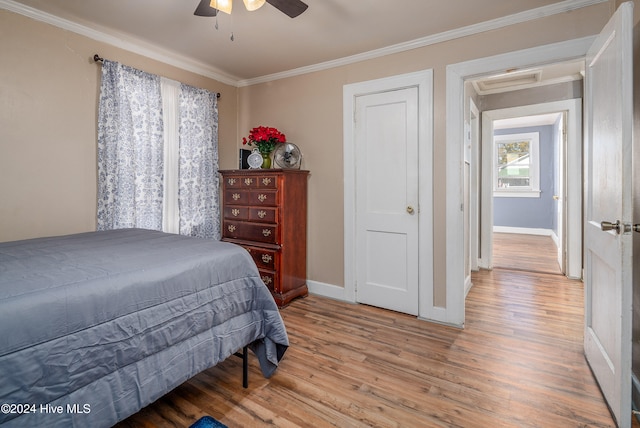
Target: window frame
(531,191)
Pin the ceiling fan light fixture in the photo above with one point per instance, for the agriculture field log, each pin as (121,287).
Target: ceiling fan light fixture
(252,5)
(222,5)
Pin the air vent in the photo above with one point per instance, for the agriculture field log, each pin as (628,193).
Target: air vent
(508,81)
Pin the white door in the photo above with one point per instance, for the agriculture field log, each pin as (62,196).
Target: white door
(561,144)
(474,186)
(608,292)
(386,140)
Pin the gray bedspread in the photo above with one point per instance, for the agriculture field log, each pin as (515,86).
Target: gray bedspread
(95,326)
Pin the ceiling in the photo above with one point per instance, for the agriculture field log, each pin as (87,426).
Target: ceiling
(268,43)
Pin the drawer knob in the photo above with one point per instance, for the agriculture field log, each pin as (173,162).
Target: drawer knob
(266,279)
(231,181)
(231,228)
(262,214)
(262,197)
(235,212)
(266,181)
(248,181)
(235,196)
(266,232)
(266,258)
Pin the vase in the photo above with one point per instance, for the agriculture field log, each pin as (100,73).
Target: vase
(266,160)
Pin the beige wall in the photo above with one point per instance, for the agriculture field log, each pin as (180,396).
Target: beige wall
(48,98)
(49,88)
(309,110)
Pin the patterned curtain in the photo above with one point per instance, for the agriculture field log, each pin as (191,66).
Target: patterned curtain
(198,177)
(130,149)
(132,140)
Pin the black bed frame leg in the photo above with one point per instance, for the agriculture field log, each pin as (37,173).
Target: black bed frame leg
(245,367)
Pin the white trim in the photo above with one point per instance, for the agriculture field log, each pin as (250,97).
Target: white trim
(123,41)
(474,185)
(467,285)
(573,177)
(327,290)
(529,15)
(516,193)
(456,75)
(542,83)
(130,43)
(423,80)
(523,230)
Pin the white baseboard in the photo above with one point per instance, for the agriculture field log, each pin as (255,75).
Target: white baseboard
(467,285)
(523,230)
(328,290)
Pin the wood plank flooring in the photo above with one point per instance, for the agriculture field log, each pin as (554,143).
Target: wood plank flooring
(517,363)
(533,253)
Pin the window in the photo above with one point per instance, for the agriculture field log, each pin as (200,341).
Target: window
(516,165)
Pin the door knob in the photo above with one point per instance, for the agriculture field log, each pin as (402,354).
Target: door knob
(607,225)
(410,209)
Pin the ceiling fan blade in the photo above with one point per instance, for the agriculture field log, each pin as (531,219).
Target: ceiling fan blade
(204,9)
(292,8)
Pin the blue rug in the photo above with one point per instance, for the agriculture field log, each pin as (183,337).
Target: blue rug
(207,422)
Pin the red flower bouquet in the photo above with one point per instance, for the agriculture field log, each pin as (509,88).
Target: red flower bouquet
(264,138)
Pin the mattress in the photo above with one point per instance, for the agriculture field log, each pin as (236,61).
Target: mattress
(95,326)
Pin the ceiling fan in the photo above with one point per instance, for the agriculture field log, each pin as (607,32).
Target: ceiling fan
(292,8)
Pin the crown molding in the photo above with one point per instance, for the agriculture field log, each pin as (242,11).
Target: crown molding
(529,15)
(172,58)
(123,41)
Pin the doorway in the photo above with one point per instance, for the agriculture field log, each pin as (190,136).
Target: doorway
(528,193)
(457,76)
(563,196)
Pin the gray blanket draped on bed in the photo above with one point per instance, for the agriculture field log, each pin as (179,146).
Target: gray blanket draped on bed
(101,324)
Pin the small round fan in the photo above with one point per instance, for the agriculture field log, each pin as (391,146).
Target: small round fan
(287,156)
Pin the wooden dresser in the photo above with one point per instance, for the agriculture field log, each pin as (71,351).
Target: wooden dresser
(265,211)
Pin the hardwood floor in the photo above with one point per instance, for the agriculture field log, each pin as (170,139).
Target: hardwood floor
(532,253)
(517,363)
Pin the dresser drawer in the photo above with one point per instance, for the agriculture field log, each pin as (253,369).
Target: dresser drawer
(270,278)
(267,233)
(249,182)
(267,182)
(232,182)
(236,197)
(267,198)
(240,182)
(266,215)
(236,213)
(264,258)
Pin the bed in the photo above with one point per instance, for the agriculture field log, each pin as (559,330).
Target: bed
(95,326)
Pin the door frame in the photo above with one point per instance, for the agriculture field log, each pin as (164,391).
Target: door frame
(472,193)
(453,313)
(572,171)
(423,80)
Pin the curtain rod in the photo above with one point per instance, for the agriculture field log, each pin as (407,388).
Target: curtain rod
(98,58)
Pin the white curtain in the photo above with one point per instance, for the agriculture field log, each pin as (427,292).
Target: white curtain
(170,97)
(157,154)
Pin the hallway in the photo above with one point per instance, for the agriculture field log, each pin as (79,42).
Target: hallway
(531,253)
